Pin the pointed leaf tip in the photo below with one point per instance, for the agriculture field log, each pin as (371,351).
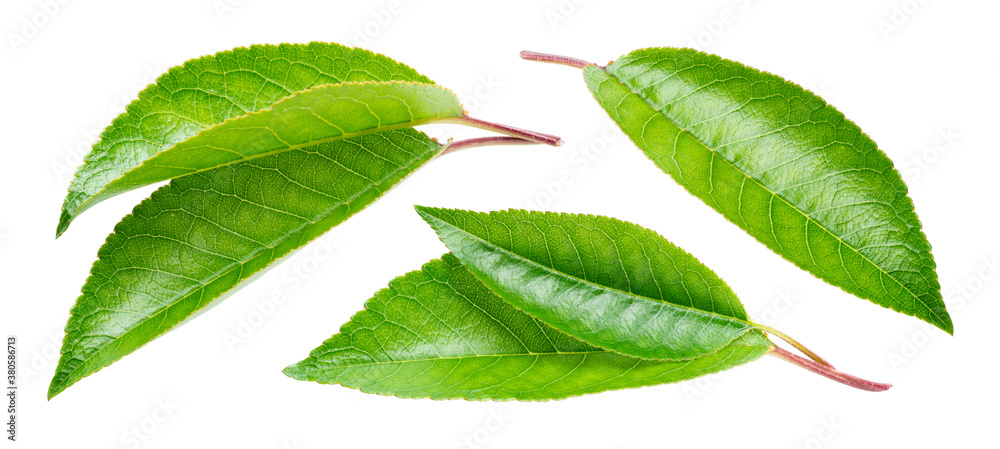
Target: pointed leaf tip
(65,218)
(946,324)
(291,371)
(54,389)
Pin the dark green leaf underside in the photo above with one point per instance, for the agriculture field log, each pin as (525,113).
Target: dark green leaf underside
(440,333)
(783,165)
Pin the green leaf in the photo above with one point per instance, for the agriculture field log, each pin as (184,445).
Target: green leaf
(317,115)
(609,283)
(440,333)
(202,234)
(782,164)
(207,91)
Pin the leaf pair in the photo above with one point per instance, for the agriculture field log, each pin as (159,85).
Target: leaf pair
(268,147)
(779,162)
(535,306)
(265,148)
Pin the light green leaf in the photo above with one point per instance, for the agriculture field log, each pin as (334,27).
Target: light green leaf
(782,164)
(609,283)
(201,235)
(439,333)
(314,116)
(207,91)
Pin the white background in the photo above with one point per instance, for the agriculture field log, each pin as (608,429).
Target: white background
(906,78)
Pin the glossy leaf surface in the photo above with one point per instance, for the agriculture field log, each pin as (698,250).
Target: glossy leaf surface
(440,333)
(201,235)
(782,164)
(609,283)
(207,91)
(317,115)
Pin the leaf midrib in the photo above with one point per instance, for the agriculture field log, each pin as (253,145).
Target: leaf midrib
(777,195)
